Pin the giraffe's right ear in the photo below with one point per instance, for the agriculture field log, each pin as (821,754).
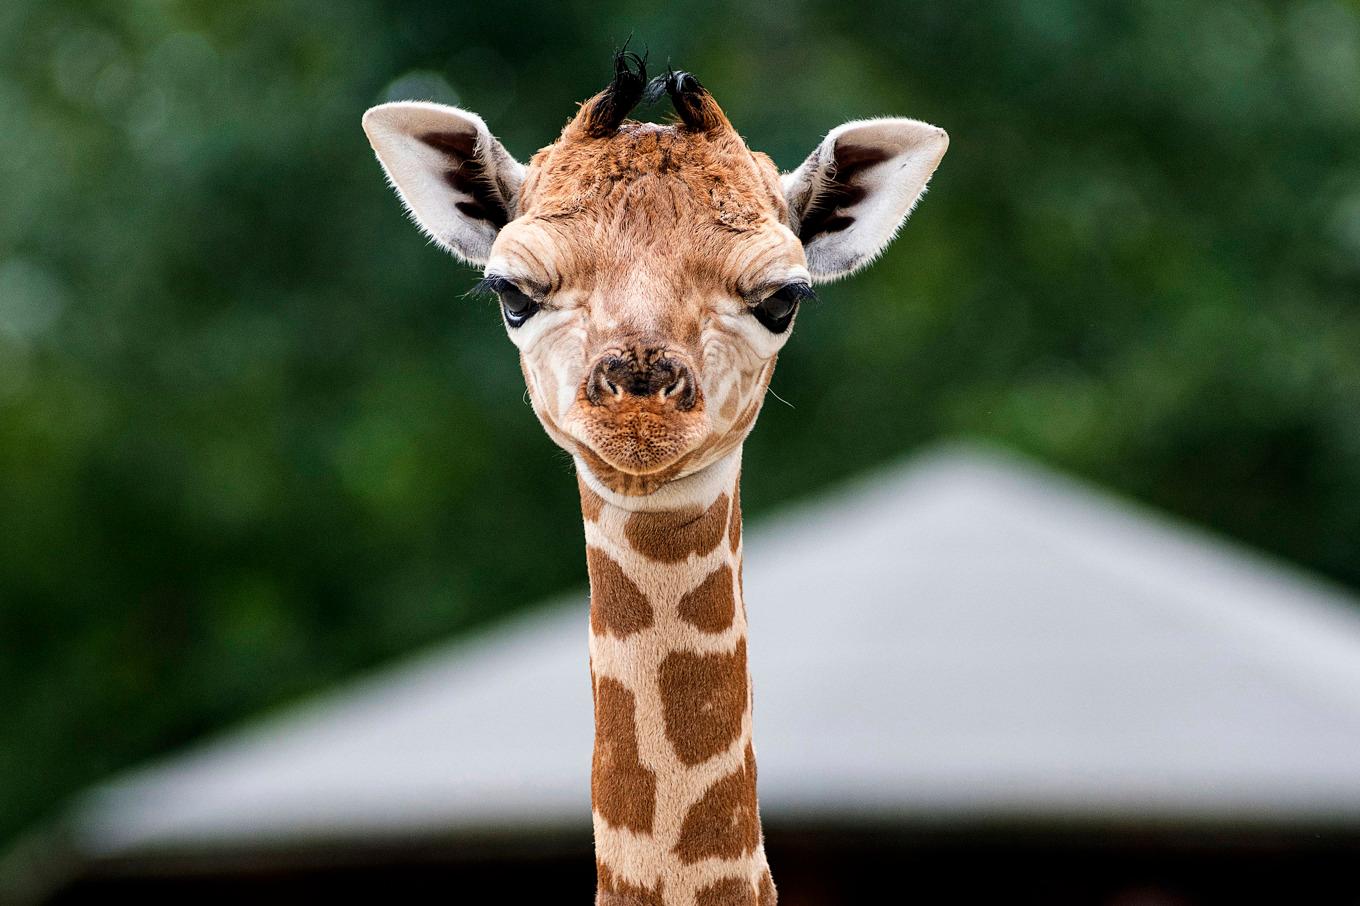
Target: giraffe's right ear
(459,183)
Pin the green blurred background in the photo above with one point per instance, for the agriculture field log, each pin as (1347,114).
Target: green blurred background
(252,439)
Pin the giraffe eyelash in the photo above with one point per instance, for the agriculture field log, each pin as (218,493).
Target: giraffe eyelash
(797,291)
(492,285)
(495,285)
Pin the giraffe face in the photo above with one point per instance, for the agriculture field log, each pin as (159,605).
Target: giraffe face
(649,282)
(649,274)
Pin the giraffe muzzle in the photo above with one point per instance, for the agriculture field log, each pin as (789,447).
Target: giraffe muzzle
(623,377)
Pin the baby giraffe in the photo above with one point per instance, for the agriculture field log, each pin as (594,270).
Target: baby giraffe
(649,275)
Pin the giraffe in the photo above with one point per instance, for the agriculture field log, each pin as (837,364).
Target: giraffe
(649,275)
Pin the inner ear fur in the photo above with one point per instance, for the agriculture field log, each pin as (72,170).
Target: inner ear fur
(458,182)
(853,193)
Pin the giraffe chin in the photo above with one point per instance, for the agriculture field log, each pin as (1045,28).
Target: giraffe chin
(623,465)
(627,482)
(626,477)
(634,450)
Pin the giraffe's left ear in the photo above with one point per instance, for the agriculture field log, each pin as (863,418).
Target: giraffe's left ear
(853,193)
(459,183)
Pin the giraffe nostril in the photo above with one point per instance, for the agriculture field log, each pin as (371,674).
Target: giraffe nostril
(600,387)
(681,389)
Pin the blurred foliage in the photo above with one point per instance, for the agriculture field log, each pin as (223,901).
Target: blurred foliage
(252,440)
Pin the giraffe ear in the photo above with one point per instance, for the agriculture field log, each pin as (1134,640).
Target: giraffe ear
(458,182)
(853,193)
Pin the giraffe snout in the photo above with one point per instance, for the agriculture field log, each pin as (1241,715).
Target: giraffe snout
(639,373)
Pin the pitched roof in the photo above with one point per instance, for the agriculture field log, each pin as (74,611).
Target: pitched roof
(963,636)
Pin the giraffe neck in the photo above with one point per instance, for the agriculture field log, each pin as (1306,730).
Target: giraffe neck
(673,780)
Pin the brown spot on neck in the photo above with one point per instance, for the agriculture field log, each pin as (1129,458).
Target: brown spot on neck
(728,892)
(710,606)
(617,605)
(767,892)
(724,824)
(592,504)
(672,536)
(618,892)
(622,790)
(703,699)
(734,527)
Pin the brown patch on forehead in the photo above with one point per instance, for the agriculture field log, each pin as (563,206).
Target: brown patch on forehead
(728,892)
(617,605)
(618,892)
(724,824)
(710,606)
(671,537)
(592,504)
(703,700)
(622,789)
(700,177)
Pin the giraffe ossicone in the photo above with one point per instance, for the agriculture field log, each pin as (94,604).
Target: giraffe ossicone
(649,276)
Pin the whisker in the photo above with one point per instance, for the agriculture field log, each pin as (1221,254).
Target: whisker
(770,391)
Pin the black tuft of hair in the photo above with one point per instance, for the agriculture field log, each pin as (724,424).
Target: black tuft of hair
(622,94)
(692,102)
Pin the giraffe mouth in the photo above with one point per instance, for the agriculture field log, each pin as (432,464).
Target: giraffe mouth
(635,446)
(642,442)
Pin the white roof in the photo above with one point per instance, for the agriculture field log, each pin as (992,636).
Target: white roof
(963,637)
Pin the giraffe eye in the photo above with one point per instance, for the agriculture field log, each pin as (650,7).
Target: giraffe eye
(776,310)
(517,305)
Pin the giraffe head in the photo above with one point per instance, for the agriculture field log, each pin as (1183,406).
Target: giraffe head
(650,274)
